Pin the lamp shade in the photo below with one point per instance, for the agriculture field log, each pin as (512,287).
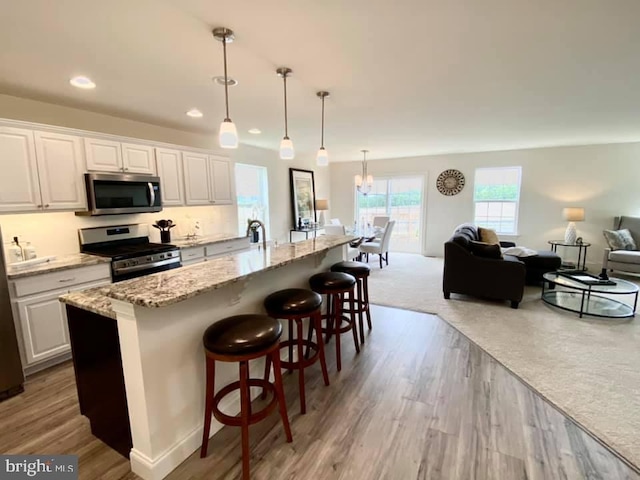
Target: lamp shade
(573,214)
(286,149)
(322,159)
(322,204)
(228,135)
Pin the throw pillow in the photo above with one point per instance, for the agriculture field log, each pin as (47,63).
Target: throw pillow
(620,239)
(519,251)
(488,236)
(485,250)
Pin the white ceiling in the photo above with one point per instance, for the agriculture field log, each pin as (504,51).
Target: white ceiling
(407,78)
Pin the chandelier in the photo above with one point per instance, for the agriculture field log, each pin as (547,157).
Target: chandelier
(364,182)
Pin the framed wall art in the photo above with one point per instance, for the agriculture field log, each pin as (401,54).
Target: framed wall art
(303,196)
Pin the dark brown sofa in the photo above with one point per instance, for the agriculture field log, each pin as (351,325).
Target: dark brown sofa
(469,274)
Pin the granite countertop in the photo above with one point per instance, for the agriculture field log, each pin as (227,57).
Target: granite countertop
(64,262)
(94,300)
(205,240)
(173,286)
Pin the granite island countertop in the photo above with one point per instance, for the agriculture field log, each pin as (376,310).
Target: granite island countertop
(172,286)
(64,262)
(93,300)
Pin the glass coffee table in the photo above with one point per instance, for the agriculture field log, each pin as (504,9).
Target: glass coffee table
(585,299)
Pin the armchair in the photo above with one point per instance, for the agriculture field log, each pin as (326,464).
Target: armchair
(380,246)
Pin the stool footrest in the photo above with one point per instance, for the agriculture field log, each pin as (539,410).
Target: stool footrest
(306,362)
(255,416)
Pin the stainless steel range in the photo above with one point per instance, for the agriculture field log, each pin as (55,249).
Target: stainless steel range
(131,253)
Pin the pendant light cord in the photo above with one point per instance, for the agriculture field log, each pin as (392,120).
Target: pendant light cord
(322,130)
(226,82)
(286,123)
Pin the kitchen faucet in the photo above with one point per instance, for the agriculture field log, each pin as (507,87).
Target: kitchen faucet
(251,223)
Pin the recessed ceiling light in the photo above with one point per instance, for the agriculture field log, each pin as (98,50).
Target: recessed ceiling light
(82,82)
(194,113)
(255,131)
(232,82)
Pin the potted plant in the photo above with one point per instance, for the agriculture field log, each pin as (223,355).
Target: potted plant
(253,227)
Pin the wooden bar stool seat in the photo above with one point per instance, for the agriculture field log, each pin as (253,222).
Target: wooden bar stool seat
(361,272)
(239,339)
(336,286)
(294,305)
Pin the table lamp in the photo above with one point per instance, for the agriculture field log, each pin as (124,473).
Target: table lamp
(572,214)
(321,206)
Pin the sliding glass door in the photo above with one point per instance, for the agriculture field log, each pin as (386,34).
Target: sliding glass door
(401,198)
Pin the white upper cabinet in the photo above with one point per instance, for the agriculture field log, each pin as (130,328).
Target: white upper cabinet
(169,166)
(61,169)
(103,155)
(207,180)
(110,156)
(220,180)
(137,159)
(19,189)
(196,178)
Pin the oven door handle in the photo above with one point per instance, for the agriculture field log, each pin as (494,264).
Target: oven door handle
(146,266)
(152,194)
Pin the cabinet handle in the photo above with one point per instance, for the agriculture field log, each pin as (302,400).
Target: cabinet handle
(125,169)
(39,206)
(46,206)
(66,280)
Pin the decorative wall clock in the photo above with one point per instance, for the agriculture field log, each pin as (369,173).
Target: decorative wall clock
(450,182)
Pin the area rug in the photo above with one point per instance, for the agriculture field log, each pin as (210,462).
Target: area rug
(589,369)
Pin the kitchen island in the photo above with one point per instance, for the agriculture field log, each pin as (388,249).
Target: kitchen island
(141,376)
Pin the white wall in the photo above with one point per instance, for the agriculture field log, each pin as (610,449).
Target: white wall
(56,233)
(604,179)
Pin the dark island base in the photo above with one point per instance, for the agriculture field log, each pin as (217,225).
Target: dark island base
(99,377)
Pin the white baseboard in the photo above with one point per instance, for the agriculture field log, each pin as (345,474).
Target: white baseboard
(165,463)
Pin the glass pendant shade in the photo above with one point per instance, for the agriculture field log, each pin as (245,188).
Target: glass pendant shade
(370,180)
(358,180)
(286,149)
(228,135)
(322,159)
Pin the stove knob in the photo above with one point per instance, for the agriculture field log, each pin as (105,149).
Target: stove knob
(149,259)
(161,256)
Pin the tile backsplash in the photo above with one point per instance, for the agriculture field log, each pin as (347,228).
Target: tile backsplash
(56,233)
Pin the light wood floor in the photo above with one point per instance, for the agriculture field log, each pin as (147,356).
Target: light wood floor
(419,402)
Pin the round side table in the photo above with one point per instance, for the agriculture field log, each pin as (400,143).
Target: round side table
(582,251)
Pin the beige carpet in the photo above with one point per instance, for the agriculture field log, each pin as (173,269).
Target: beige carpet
(589,369)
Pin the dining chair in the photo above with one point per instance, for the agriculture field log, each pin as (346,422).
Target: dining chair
(379,224)
(340,230)
(379,246)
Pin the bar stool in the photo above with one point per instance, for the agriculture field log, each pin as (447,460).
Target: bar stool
(239,339)
(295,304)
(336,285)
(361,272)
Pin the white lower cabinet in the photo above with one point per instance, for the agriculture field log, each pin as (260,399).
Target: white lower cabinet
(220,249)
(43,322)
(191,255)
(42,318)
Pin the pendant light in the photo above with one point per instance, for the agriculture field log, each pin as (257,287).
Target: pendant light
(364,182)
(322,159)
(227,134)
(286,146)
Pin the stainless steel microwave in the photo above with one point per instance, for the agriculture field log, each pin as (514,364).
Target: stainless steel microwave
(116,194)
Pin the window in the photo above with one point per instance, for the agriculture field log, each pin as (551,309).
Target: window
(252,195)
(496,195)
(401,199)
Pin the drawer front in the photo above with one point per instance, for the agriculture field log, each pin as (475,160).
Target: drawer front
(62,279)
(191,254)
(222,248)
